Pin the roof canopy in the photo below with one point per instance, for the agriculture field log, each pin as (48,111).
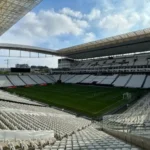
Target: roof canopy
(13,10)
(138,41)
(28,49)
(126,43)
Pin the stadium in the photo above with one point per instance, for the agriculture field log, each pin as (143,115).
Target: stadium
(97,99)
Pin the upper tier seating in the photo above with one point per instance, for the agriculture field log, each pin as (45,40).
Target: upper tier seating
(37,79)
(122,80)
(4,82)
(130,61)
(136,81)
(114,63)
(85,65)
(27,80)
(117,62)
(15,80)
(95,64)
(107,63)
(140,61)
(78,65)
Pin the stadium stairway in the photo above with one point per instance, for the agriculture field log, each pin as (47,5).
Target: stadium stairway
(27,80)
(16,80)
(22,80)
(4,82)
(51,78)
(128,81)
(86,139)
(91,139)
(115,79)
(144,81)
(71,76)
(9,80)
(36,79)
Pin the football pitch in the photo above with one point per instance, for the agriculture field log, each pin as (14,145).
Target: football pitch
(88,100)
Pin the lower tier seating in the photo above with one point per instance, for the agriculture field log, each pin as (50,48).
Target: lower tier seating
(27,80)
(136,119)
(136,81)
(15,80)
(117,80)
(91,139)
(15,98)
(37,79)
(4,82)
(122,80)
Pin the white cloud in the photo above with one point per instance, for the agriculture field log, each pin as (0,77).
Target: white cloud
(117,17)
(145,20)
(89,37)
(115,22)
(94,14)
(81,23)
(44,28)
(50,23)
(72,13)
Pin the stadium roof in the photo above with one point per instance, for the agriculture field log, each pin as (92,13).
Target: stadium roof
(132,42)
(28,49)
(13,10)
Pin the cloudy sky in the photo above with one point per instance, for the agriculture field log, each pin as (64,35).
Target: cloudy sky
(57,24)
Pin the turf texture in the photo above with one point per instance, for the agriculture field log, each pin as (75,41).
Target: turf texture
(88,100)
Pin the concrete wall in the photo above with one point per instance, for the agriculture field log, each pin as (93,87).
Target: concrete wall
(139,141)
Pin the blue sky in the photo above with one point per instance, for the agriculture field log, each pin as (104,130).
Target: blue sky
(57,24)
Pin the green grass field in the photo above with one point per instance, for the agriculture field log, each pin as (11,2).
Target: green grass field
(89,100)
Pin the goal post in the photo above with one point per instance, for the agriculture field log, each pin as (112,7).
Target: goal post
(127,96)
